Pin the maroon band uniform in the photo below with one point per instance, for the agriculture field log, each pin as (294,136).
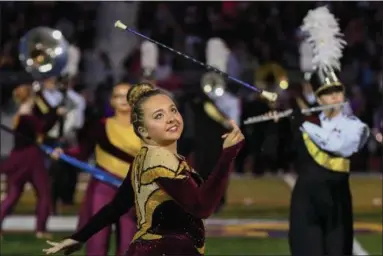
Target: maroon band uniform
(170,200)
(26,164)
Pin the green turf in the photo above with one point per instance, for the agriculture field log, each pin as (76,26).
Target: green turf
(371,243)
(26,244)
(266,197)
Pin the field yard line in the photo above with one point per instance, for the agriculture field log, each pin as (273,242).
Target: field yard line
(357,248)
(68,223)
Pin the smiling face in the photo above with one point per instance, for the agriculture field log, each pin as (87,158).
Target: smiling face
(163,124)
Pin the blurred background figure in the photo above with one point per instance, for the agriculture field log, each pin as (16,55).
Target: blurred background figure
(261,47)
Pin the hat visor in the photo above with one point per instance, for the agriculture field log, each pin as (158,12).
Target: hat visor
(329,89)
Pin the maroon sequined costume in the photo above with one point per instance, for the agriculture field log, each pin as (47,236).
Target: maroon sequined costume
(114,146)
(26,164)
(170,200)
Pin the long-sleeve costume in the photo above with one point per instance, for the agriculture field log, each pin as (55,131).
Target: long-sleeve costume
(321,221)
(115,147)
(170,200)
(26,164)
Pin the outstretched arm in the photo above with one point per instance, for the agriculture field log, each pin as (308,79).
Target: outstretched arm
(110,213)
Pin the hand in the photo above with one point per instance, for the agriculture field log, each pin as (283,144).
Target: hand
(67,245)
(379,137)
(273,115)
(56,153)
(234,137)
(61,111)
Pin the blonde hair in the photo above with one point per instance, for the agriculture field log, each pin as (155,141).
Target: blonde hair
(137,95)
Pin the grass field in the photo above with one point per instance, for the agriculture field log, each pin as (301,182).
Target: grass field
(24,244)
(264,198)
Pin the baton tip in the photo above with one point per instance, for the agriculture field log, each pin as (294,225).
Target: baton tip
(270,96)
(120,25)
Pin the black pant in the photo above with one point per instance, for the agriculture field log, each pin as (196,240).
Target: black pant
(321,221)
(64,180)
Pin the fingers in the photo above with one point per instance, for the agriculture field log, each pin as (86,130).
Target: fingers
(237,138)
(235,126)
(52,243)
(235,135)
(55,248)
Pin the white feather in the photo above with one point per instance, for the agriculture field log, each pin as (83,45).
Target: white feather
(217,54)
(149,55)
(325,38)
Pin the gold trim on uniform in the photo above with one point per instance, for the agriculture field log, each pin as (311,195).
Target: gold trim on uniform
(41,105)
(111,163)
(151,163)
(332,163)
(122,137)
(156,198)
(16,121)
(40,138)
(201,250)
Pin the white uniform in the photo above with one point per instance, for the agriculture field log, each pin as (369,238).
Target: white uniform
(341,135)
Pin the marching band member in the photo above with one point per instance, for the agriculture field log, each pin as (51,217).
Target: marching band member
(115,145)
(218,109)
(321,218)
(50,96)
(169,197)
(26,161)
(217,55)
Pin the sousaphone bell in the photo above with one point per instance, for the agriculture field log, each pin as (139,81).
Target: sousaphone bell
(43,52)
(213,83)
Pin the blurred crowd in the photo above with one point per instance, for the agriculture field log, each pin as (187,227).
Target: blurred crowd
(256,33)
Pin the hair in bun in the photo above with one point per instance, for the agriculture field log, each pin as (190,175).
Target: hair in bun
(137,95)
(138,91)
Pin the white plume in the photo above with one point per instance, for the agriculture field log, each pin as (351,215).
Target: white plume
(217,54)
(149,56)
(324,36)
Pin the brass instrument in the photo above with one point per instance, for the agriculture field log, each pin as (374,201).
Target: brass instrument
(279,74)
(43,52)
(213,83)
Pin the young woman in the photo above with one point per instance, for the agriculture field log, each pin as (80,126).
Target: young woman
(114,144)
(26,161)
(169,197)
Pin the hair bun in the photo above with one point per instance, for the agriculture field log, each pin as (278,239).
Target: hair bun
(137,91)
